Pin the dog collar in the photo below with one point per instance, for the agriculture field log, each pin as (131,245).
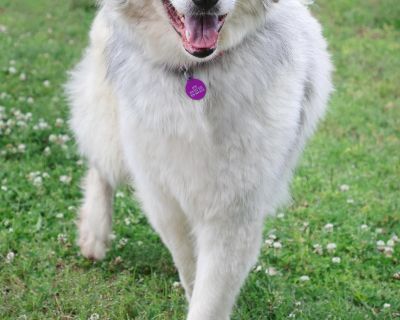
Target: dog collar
(195,88)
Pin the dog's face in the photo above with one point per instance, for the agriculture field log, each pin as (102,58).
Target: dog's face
(191,31)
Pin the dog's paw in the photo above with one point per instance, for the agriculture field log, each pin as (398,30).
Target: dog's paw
(93,246)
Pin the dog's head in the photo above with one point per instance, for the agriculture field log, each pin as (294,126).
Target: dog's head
(184,31)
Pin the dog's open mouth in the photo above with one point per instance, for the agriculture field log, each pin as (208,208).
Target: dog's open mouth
(199,32)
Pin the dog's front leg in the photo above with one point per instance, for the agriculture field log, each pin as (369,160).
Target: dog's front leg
(94,222)
(228,248)
(167,218)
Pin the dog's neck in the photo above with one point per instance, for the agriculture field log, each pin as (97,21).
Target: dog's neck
(192,69)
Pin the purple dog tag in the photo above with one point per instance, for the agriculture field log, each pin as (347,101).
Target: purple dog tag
(195,89)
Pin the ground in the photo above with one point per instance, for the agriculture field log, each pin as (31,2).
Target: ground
(333,254)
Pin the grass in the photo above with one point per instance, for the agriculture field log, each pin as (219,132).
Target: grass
(357,145)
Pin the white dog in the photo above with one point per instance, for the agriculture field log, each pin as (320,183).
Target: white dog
(209,158)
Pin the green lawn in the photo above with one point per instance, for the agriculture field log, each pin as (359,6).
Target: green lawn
(42,275)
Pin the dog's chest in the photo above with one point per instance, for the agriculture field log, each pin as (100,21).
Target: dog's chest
(215,147)
(191,146)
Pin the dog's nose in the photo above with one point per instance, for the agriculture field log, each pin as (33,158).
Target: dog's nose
(205,4)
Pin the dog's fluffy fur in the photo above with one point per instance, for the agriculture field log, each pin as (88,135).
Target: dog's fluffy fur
(206,172)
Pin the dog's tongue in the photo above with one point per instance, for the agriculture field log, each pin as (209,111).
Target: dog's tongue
(203,31)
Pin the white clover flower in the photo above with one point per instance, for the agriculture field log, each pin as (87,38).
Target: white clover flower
(386,305)
(350,200)
(120,194)
(277,245)
(271,271)
(305,225)
(59,215)
(22,77)
(21,124)
(4,95)
(328,227)
(127,221)
(94,316)
(344,188)
(62,238)
(21,148)
(59,122)
(10,257)
(395,238)
(390,243)
(388,251)
(79,162)
(10,123)
(60,139)
(379,230)
(12,70)
(65,179)
(43,125)
(272,236)
(30,100)
(4,188)
(139,243)
(269,242)
(32,175)
(47,151)
(176,285)
(3,29)
(37,181)
(46,83)
(336,260)
(380,245)
(364,227)
(118,260)
(318,249)
(396,275)
(304,278)
(331,247)
(280,215)
(257,269)
(122,242)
